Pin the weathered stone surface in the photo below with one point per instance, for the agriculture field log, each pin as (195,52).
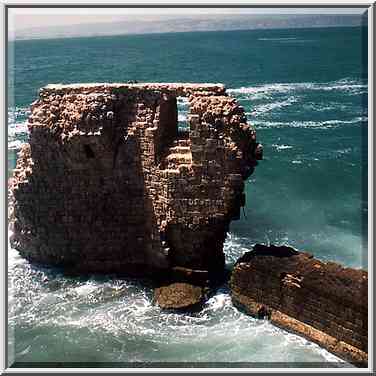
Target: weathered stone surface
(180,296)
(108,183)
(324,302)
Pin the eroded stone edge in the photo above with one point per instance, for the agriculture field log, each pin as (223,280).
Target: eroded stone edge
(339,348)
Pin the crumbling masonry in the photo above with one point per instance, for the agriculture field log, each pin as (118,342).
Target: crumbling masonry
(108,183)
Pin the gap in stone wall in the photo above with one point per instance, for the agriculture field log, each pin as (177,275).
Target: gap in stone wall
(183,111)
(168,123)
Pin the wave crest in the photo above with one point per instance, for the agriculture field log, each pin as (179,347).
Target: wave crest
(266,90)
(328,124)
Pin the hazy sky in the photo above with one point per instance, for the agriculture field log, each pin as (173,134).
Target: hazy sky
(36,23)
(25,18)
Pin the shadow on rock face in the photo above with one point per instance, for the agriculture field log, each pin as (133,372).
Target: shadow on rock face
(264,250)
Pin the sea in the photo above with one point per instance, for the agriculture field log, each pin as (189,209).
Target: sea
(305,91)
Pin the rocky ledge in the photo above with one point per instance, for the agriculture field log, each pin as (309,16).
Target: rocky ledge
(323,302)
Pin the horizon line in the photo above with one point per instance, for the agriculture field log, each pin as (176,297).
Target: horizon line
(130,33)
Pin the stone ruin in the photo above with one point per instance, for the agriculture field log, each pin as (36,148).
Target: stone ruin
(108,183)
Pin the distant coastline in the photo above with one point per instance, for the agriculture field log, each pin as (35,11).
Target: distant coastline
(189,24)
(180,32)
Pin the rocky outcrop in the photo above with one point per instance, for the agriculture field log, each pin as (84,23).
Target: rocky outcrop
(179,296)
(108,182)
(324,302)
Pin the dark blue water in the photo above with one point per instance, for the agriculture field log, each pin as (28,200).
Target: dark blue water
(305,91)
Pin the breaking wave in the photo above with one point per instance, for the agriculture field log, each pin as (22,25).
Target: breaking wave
(260,109)
(18,132)
(266,90)
(122,311)
(286,40)
(281,147)
(16,114)
(328,124)
(15,145)
(278,39)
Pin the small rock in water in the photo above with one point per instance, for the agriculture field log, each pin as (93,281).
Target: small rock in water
(179,296)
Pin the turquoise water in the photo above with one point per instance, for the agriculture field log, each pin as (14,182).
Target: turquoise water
(305,91)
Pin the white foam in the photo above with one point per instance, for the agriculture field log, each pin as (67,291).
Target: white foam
(220,332)
(15,145)
(219,301)
(17,113)
(321,107)
(235,246)
(14,257)
(344,151)
(273,105)
(261,124)
(282,147)
(85,289)
(16,129)
(278,39)
(182,117)
(266,90)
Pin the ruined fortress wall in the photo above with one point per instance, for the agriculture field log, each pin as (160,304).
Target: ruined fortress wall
(107,183)
(324,302)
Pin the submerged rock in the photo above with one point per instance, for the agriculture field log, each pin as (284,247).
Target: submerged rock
(324,302)
(179,296)
(108,183)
